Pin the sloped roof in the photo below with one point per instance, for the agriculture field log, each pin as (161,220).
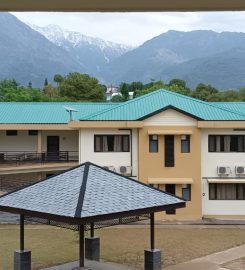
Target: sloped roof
(87,193)
(136,109)
(46,112)
(234,106)
(147,105)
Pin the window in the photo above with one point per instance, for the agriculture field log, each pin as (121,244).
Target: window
(185,144)
(186,192)
(226,143)
(153,143)
(226,191)
(11,132)
(169,151)
(32,132)
(111,143)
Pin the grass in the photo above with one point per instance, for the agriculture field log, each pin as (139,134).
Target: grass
(52,246)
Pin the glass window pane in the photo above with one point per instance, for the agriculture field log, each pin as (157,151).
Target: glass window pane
(126,143)
(186,193)
(212,193)
(153,143)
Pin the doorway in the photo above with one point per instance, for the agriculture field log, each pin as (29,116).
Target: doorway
(53,148)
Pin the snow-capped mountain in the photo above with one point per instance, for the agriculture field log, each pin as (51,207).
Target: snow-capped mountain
(59,36)
(94,53)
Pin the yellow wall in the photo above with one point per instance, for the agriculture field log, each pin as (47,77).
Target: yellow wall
(151,165)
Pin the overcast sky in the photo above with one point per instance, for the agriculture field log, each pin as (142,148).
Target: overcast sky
(135,28)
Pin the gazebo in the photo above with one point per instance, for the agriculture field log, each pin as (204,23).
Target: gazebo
(83,196)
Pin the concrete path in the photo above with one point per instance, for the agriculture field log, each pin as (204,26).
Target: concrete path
(210,262)
(91,265)
(213,261)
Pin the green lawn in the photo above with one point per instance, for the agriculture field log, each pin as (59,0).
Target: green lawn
(51,245)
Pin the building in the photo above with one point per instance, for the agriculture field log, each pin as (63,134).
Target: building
(187,147)
(112,91)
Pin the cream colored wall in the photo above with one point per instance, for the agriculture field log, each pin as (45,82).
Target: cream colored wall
(115,159)
(68,139)
(24,142)
(21,142)
(170,118)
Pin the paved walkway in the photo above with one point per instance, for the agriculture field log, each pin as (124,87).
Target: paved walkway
(91,265)
(210,262)
(213,261)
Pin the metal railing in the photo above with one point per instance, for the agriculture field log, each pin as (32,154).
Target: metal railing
(20,158)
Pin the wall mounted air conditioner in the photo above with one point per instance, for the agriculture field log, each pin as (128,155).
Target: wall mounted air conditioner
(125,170)
(222,170)
(110,168)
(240,170)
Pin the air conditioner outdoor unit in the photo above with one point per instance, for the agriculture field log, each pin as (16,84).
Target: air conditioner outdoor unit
(221,170)
(240,170)
(110,168)
(125,170)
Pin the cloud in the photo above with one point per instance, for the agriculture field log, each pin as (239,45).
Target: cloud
(136,28)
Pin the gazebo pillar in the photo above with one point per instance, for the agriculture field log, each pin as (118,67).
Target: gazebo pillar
(81,249)
(92,245)
(152,255)
(22,257)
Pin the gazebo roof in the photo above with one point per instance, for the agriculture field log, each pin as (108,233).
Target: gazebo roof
(87,193)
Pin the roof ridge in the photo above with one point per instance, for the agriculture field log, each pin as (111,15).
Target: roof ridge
(82,190)
(123,104)
(203,102)
(90,117)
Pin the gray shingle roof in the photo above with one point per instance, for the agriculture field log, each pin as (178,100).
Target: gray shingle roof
(86,192)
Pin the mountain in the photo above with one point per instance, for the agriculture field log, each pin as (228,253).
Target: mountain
(196,56)
(223,71)
(26,55)
(32,53)
(94,53)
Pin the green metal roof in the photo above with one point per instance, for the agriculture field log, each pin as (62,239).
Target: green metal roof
(46,112)
(234,106)
(136,109)
(147,105)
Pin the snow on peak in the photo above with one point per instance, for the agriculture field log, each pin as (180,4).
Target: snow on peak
(61,36)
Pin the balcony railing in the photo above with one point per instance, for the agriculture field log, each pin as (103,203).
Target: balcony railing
(20,158)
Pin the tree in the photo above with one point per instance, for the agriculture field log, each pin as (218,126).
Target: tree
(58,78)
(117,98)
(124,89)
(30,85)
(81,87)
(203,91)
(178,82)
(45,82)
(50,91)
(135,86)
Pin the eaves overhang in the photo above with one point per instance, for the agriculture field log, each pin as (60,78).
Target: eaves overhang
(105,124)
(221,124)
(34,127)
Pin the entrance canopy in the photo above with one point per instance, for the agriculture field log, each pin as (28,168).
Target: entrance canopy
(85,194)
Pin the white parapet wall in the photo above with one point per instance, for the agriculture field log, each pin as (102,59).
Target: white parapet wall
(210,162)
(116,159)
